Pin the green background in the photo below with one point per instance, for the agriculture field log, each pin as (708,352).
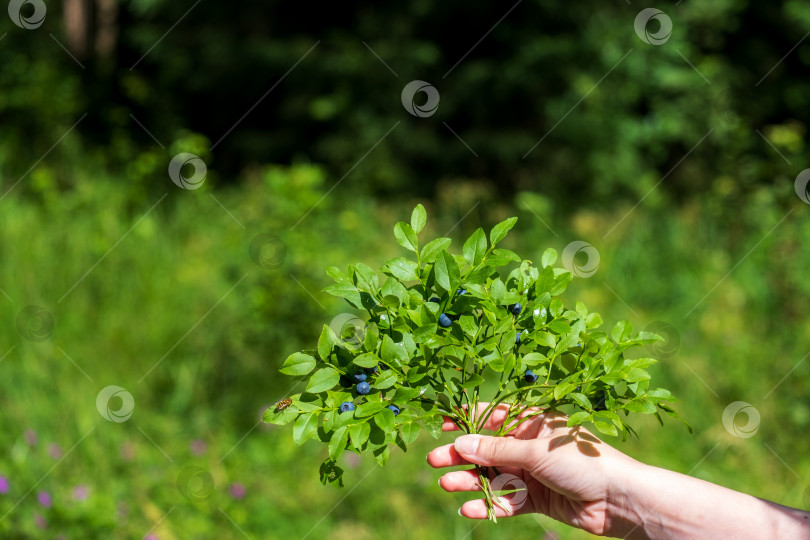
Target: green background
(677,162)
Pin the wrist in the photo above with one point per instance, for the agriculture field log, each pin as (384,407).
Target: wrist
(628,500)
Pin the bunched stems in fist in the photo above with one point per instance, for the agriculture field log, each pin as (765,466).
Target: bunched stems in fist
(573,477)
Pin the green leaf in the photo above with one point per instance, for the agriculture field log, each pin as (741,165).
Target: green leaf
(423,333)
(323,379)
(390,352)
(326,343)
(549,257)
(581,400)
(561,282)
(545,281)
(366,360)
(447,272)
(372,337)
(305,427)
(561,327)
(500,257)
(563,388)
(473,380)
(331,474)
(433,248)
(605,422)
(621,331)
(273,416)
(337,444)
(369,408)
(359,434)
(636,375)
(298,364)
(366,277)
(385,420)
(381,455)
(402,269)
(434,425)
(475,247)
(640,406)
(499,231)
(497,290)
(418,218)
(385,380)
(347,291)
(406,237)
(409,432)
(534,358)
(578,418)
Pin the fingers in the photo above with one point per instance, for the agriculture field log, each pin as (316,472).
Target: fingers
(497,417)
(468,480)
(510,505)
(497,451)
(445,456)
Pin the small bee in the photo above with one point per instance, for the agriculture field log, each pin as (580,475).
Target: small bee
(283,404)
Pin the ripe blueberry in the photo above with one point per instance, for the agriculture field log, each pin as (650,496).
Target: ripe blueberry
(363,388)
(346,406)
(359,376)
(459,292)
(444,320)
(435,300)
(516,309)
(529,376)
(394,409)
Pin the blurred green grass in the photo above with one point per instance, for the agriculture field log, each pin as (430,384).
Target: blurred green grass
(171,307)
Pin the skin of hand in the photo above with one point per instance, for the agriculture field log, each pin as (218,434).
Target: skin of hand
(570,475)
(573,477)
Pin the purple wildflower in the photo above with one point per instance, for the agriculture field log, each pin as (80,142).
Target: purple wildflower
(55,451)
(45,499)
(30,437)
(238,490)
(198,447)
(80,493)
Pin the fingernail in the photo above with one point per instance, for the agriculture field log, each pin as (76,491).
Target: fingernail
(440,481)
(459,512)
(467,444)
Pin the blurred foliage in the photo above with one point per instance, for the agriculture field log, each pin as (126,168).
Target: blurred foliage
(631,110)
(139,275)
(173,307)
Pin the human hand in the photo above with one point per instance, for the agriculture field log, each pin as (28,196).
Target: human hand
(569,474)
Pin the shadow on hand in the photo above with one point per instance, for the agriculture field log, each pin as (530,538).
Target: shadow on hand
(585,441)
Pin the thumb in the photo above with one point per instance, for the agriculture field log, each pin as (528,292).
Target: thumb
(489,451)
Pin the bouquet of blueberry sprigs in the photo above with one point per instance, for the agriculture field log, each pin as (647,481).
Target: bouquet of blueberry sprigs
(440,330)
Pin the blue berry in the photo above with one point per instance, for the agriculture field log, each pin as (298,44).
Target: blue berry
(444,320)
(346,406)
(394,409)
(363,388)
(359,376)
(517,337)
(435,300)
(529,376)
(460,292)
(516,309)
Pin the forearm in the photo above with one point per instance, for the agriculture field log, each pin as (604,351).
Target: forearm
(656,503)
